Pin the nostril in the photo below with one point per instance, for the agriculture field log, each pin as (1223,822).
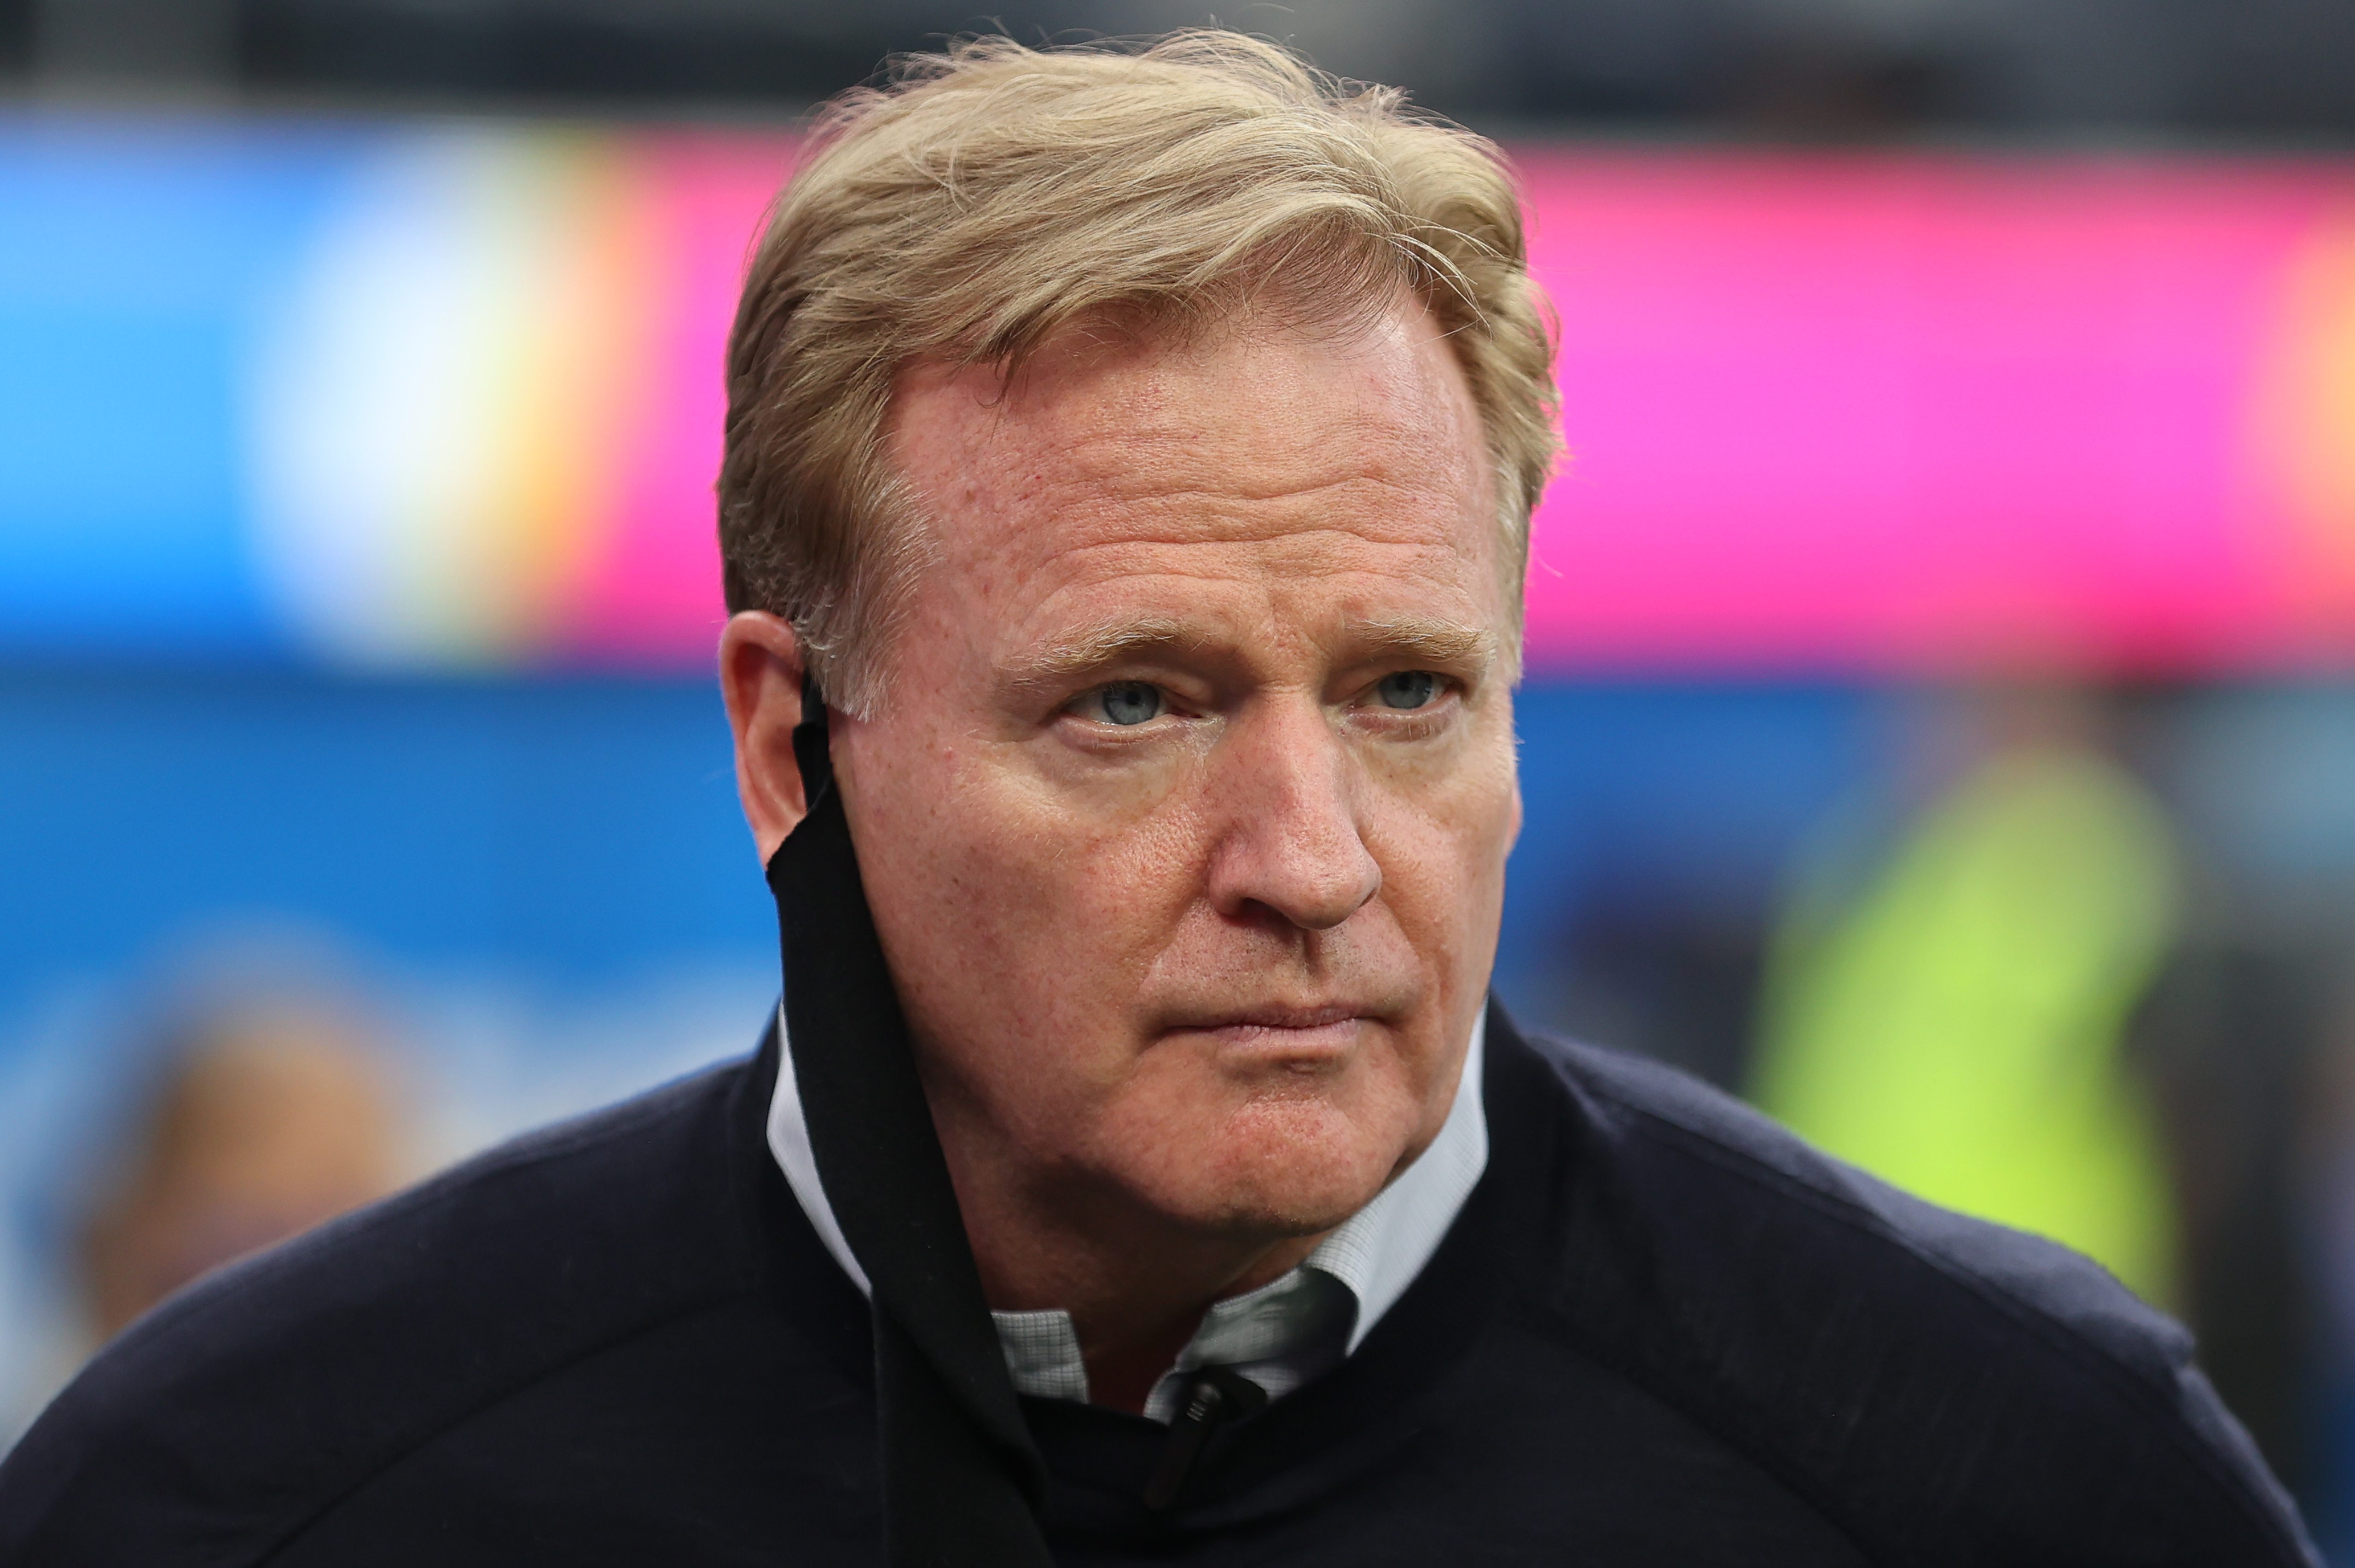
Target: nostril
(1310,895)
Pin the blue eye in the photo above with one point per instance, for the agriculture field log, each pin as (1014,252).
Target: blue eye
(1126,703)
(1408,688)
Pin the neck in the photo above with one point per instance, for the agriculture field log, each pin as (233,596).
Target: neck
(1135,1283)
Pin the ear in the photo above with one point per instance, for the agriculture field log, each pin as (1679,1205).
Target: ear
(760,679)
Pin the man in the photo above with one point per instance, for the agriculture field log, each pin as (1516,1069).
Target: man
(1129,464)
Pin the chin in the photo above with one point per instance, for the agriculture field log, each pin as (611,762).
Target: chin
(1288,1168)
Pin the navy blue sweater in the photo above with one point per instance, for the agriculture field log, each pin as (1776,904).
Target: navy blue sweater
(1663,1332)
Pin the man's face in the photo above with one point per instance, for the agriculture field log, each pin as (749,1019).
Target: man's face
(1185,818)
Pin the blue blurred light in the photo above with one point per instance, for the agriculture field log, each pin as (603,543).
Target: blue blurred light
(567,831)
(133,257)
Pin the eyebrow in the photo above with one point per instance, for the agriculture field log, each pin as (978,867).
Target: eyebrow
(1425,639)
(1094,648)
(1447,643)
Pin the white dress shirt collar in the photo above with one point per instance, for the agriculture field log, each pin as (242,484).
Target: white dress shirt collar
(1280,1335)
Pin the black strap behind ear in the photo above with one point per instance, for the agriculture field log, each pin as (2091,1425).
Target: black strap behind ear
(962,1479)
(811,755)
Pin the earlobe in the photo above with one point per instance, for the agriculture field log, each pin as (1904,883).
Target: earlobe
(761,671)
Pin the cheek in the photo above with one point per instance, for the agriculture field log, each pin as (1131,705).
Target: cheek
(1443,844)
(1037,916)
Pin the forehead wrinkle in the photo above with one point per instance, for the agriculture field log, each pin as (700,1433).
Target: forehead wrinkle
(1265,463)
(1283,434)
(1067,473)
(1169,407)
(1265,569)
(1274,460)
(1068,517)
(1318,549)
(1129,505)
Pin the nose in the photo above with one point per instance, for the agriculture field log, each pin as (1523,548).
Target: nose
(1292,844)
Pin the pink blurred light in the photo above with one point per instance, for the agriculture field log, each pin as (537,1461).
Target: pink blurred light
(1907,411)
(654,596)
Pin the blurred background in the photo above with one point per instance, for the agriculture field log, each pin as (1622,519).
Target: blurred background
(1940,724)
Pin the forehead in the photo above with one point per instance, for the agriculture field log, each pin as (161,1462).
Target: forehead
(1262,456)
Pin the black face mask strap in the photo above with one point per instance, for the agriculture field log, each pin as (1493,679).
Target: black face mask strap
(962,1480)
(811,755)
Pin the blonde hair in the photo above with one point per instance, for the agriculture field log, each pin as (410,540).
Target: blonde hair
(994,194)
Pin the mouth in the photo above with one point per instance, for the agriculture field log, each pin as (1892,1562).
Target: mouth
(1301,1035)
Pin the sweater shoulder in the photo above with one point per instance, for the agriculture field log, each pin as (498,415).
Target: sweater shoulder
(254,1398)
(1735,1156)
(1917,1373)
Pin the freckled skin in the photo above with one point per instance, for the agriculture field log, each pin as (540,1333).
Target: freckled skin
(1080,913)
